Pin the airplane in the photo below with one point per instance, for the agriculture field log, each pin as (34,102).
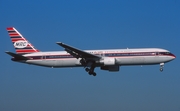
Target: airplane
(107,59)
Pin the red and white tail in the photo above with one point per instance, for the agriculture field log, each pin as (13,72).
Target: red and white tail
(21,45)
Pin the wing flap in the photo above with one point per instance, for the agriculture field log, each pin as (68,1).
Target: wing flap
(77,52)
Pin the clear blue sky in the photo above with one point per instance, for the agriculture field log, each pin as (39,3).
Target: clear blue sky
(91,24)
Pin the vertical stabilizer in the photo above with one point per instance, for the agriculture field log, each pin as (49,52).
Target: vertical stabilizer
(21,45)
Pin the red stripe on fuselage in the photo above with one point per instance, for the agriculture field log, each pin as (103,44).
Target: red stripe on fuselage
(75,58)
(122,56)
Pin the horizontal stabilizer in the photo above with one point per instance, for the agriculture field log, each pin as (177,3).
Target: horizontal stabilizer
(16,56)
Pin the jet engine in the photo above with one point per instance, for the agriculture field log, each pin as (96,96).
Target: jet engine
(110,68)
(109,61)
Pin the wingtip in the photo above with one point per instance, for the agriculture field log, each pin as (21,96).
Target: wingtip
(7,52)
(59,43)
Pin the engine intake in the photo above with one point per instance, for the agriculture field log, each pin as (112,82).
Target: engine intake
(109,61)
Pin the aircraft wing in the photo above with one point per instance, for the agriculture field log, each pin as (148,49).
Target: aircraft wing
(77,52)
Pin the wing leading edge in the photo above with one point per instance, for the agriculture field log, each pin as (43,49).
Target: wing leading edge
(77,53)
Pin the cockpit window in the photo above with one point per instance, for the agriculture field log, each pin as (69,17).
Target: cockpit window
(163,53)
(167,53)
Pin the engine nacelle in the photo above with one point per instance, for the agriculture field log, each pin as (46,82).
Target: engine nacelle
(109,61)
(110,68)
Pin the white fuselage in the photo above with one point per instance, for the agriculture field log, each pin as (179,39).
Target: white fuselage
(143,56)
(109,60)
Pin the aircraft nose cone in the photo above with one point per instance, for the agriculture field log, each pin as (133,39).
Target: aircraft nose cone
(173,56)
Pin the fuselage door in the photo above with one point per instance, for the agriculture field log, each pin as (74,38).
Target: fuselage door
(157,54)
(43,57)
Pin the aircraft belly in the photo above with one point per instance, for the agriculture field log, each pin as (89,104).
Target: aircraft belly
(66,63)
(53,63)
(47,63)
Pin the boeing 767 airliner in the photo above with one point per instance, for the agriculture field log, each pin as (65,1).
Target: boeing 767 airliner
(109,59)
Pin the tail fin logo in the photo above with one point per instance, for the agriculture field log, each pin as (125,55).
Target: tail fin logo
(20,44)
